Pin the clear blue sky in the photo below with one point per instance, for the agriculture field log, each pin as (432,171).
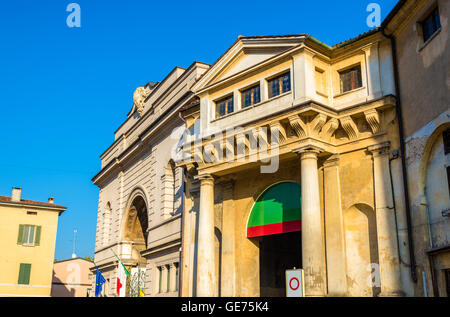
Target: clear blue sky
(64,91)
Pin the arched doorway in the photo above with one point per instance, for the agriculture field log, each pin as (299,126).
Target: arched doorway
(275,222)
(134,241)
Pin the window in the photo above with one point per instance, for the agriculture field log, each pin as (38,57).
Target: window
(177,268)
(168,278)
(279,85)
(24,273)
(29,235)
(446,137)
(446,140)
(33,213)
(224,106)
(448,178)
(350,79)
(160,279)
(431,24)
(251,96)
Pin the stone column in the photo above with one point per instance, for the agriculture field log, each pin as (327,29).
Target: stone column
(312,237)
(385,216)
(173,278)
(228,280)
(205,256)
(164,277)
(334,229)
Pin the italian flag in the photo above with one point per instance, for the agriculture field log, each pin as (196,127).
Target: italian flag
(122,274)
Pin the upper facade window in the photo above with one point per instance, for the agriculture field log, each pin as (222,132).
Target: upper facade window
(446,137)
(224,106)
(350,79)
(29,235)
(251,96)
(279,85)
(431,24)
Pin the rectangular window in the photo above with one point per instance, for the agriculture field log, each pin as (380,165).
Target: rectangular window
(177,268)
(279,85)
(431,24)
(160,279)
(448,179)
(350,79)
(446,137)
(29,235)
(224,106)
(24,273)
(168,278)
(251,96)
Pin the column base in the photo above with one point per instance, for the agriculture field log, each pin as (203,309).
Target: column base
(392,294)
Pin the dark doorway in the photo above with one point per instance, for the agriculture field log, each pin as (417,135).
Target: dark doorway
(277,253)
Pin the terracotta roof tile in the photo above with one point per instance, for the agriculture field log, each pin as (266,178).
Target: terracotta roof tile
(30,202)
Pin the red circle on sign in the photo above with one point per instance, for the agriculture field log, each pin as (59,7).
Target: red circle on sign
(290,284)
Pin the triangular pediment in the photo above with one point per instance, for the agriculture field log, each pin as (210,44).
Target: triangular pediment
(245,53)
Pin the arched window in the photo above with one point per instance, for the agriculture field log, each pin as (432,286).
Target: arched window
(168,191)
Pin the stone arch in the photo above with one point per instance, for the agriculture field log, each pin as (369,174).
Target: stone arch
(286,215)
(426,157)
(135,218)
(436,188)
(361,250)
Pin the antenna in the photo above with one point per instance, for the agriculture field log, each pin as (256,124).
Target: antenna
(74,243)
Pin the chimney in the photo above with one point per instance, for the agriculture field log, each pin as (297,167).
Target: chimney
(16,191)
(51,200)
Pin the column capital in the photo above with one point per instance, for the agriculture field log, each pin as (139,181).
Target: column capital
(333,160)
(205,178)
(308,151)
(380,149)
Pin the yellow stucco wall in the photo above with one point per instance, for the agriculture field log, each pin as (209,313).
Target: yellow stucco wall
(40,257)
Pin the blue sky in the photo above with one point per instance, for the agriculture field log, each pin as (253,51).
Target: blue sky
(64,91)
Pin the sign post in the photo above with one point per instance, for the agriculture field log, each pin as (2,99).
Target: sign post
(295,284)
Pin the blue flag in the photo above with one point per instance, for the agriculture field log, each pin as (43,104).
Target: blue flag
(99,281)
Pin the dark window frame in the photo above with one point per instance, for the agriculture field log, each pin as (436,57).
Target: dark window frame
(353,76)
(279,84)
(430,24)
(224,106)
(446,140)
(251,96)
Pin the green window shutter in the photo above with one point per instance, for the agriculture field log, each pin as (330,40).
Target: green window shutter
(37,238)
(20,237)
(24,273)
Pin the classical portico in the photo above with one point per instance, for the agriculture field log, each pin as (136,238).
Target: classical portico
(309,172)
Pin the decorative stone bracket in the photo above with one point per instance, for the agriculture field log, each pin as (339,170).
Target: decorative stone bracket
(311,122)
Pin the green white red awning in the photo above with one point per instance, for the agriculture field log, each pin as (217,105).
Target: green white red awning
(277,210)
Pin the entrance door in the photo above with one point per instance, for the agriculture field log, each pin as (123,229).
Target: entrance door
(277,253)
(275,221)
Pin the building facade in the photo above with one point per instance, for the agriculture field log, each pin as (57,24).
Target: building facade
(294,154)
(140,199)
(296,166)
(27,240)
(420,33)
(72,278)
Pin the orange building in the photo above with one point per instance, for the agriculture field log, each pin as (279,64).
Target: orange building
(72,278)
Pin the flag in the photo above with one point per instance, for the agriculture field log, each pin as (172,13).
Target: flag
(99,281)
(122,274)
